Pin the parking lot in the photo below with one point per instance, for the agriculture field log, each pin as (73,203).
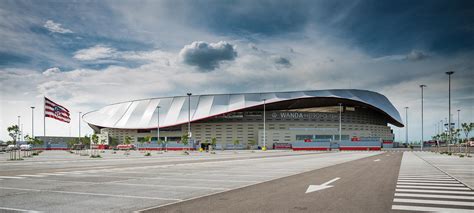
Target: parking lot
(57,181)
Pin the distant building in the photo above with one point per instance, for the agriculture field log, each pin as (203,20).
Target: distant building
(54,142)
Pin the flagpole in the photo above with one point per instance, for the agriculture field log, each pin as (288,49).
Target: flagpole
(44,116)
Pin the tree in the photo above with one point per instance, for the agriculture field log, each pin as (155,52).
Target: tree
(113,141)
(467,128)
(13,132)
(236,142)
(185,140)
(146,139)
(213,142)
(95,140)
(128,140)
(252,143)
(72,142)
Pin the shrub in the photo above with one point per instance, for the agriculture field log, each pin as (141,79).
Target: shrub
(147,154)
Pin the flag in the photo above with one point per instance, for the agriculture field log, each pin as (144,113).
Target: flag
(56,111)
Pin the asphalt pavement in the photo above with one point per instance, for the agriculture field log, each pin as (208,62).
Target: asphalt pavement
(364,185)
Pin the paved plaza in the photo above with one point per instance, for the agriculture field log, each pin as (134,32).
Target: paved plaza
(58,181)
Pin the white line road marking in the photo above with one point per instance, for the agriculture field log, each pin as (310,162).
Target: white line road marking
(430,209)
(31,175)
(435,191)
(11,177)
(431,184)
(19,210)
(313,188)
(429,181)
(438,202)
(166,186)
(377,160)
(434,187)
(48,174)
(426,179)
(423,175)
(92,194)
(434,196)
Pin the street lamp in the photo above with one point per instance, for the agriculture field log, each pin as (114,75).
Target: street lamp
(18,136)
(422,139)
(79,127)
(158,125)
(406,125)
(340,122)
(264,124)
(459,124)
(449,94)
(189,115)
(32,122)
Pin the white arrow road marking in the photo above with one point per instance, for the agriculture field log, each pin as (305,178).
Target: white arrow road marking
(377,160)
(313,188)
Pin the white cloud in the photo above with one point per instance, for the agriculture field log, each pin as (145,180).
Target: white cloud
(95,53)
(51,71)
(55,27)
(103,53)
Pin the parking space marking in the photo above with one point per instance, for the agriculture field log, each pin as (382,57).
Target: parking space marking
(419,183)
(92,194)
(434,196)
(11,177)
(436,191)
(31,175)
(441,202)
(167,186)
(429,209)
(18,210)
(428,181)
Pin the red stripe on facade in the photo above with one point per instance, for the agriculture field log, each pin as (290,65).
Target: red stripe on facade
(359,148)
(310,149)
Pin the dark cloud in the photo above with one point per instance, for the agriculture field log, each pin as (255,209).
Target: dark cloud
(282,61)
(207,56)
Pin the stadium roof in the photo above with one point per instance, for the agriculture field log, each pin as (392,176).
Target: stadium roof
(142,114)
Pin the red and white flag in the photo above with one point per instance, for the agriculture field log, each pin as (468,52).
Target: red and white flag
(56,111)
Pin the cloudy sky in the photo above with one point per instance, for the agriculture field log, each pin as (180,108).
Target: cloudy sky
(87,54)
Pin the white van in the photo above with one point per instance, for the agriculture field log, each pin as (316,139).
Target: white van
(25,147)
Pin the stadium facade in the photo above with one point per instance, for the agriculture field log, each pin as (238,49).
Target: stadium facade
(291,118)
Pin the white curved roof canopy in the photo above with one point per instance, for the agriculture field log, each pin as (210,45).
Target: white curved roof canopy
(142,114)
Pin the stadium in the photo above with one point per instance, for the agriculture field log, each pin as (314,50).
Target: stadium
(301,120)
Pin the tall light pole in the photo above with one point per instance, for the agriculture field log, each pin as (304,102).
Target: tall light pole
(264,125)
(32,122)
(406,125)
(189,115)
(449,95)
(79,127)
(340,122)
(422,138)
(158,125)
(459,124)
(18,136)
